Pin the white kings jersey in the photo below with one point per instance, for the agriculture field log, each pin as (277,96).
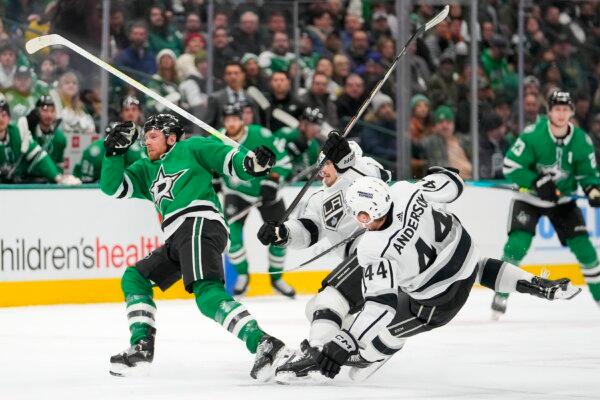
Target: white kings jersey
(422,250)
(324,215)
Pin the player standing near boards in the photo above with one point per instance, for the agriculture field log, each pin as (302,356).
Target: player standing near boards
(177,177)
(551,159)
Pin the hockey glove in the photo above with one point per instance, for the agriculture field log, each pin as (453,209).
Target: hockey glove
(261,162)
(68,180)
(119,137)
(272,233)
(337,149)
(546,188)
(268,190)
(593,195)
(297,147)
(336,353)
(435,170)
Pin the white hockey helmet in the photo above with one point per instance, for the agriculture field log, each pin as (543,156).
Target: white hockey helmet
(369,195)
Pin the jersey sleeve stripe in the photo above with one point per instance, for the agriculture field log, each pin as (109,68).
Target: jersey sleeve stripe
(228,168)
(312,229)
(459,185)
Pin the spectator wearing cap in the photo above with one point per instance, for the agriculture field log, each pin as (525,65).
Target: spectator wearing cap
(321,25)
(194,48)
(247,37)
(420,120)
(318,97)
(359,52)
(280,96)
(571,68)
(352,23)
(43,125)
(8,65)
(378,135)
(594,134)
(255,75)
(223,52)
(494,62)
(444,147)
(492,146)
(22,96)
(351,99)
(136,56)
(163,35)
(443,88)
(380,26)
(278,57)
(165,82)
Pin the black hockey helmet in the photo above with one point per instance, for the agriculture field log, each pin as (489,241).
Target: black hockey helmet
(312,114)
(560,97)
(45,101)
(166,123)
(233,109)
(4,105)
(130,101)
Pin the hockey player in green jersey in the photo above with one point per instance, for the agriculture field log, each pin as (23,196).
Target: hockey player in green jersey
(43,125)
(301,143)
(239,195)
(20,156)
(88,169)
(551,159)
(176,177)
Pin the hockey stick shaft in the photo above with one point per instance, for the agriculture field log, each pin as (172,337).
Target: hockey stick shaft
(335,246)
(515,188)
(41,42)
(422,29)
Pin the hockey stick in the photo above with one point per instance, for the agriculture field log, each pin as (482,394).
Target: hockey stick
(41,42)
(514,188)
(422,29)
(258,97)
(264,104)
(335,246)
(286,118)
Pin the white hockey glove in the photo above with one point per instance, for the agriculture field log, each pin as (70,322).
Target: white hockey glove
(68,180)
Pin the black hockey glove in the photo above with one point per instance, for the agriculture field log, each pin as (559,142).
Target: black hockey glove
(262,161)
(119,137)
(297,147)
(336,353)
(593,195)
(435,170)
(272,233)
(268,190)
(546,188)
(337,149)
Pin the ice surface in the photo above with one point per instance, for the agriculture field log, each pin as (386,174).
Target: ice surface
(539,350)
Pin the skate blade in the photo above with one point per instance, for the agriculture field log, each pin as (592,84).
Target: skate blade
(496,315)
(140,370)
(311,378)
(569,293)
(362,374)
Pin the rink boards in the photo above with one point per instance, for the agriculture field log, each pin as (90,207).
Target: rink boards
(72,245)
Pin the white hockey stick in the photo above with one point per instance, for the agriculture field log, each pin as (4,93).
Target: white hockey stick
(258,97)
(277,113)
(286,118)
(41,42)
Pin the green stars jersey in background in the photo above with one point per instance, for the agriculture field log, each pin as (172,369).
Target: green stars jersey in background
(254,137)
(305,160)
(570,161)
(53,143)
(180,182)
(88,169)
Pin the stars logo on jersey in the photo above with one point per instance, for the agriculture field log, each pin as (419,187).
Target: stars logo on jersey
(554,170)
(162,187)
(333,210)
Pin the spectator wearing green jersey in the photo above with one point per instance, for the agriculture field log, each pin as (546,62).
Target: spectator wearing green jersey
(163,35)
(25,92)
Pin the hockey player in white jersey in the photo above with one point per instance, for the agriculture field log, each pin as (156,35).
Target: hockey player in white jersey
(419,264)
(324,215)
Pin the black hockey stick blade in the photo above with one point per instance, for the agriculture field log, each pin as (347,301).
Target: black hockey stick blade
(335,246)
(420,30)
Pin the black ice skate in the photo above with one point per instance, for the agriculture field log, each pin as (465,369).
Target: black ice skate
(560,289)
(271,353)
(134,361)
(499,305)
(241,284)
(301,367)
(283,288)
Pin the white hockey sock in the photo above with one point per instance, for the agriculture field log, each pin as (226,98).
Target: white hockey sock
(501,276)
(326,312)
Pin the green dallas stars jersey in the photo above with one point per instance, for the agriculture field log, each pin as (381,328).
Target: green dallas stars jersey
(34,160)
(53,143)
(305,160)
(180,182)
(570,161)
(254,137)
(88,169)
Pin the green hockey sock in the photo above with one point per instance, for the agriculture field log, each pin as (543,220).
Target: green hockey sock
(215,303)
(237,252)
(276,261)
(584,250)
(141,309)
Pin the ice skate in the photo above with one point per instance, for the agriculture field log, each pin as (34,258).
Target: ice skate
(301,368)
(241,285)
(271,353)
(361,369)
(134,361)
(499,305)
(283,288)
(560,289)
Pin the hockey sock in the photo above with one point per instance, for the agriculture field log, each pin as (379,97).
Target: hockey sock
(583,249)
(141,310)
(501,276)
(326,312)
(384,345)
(237,252)
(215,303)
(276,260)
(516,246)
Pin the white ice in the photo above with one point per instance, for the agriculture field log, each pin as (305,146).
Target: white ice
(539,350)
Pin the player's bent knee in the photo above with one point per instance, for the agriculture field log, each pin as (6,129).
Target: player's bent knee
(133,282)
(209,295)
(517,246)
(584,250)
(328,299)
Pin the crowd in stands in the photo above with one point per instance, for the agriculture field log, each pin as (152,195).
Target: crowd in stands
(344,48)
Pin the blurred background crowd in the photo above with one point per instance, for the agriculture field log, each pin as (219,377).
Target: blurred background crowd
(327,54)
